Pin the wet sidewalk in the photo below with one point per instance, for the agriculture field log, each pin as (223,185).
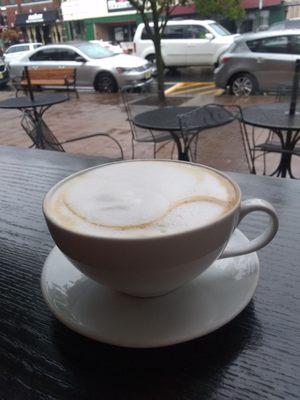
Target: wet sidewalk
(94,112)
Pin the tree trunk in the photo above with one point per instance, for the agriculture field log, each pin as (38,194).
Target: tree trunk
(160,70)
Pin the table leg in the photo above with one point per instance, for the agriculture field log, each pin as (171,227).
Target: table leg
(182,150)
(33,125)
(288,141)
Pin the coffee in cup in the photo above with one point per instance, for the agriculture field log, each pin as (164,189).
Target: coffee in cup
(142,199)
(148,227)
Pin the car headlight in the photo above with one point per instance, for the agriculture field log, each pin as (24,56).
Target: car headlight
(121,70)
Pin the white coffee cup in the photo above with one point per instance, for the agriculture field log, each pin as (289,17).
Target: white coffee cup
(124,224)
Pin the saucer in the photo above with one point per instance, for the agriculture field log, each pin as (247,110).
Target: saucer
(196,309)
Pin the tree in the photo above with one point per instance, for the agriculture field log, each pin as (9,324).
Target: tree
(220,9)
(158,12)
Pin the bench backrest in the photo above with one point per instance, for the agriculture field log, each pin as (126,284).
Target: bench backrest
(52,73)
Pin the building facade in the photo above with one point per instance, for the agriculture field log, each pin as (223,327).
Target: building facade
(262,13)
(112,20)
(32,20)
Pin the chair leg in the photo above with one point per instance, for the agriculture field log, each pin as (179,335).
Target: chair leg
(132,148)
(172,151)
(154,151)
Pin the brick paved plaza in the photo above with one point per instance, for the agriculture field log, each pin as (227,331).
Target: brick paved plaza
(93,112)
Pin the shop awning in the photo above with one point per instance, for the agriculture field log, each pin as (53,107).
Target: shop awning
(265,3)
(183,10)
(37,18)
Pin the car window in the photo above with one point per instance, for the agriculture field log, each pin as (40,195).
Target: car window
(276,45)
(219,29)
(195,32)
(277,26)
(44,55)
(17,49)
(145,35)
(173,32)
(10,50)
(292,23)
(295,44)
(94,50)
(22,48)
(64,55)
(35,46)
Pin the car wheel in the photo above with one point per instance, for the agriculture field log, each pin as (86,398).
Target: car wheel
(106,83)
(243,85)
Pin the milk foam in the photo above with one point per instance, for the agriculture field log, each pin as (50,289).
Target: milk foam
(136,199)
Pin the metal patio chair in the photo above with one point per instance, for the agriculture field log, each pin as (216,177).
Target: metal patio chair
(206,117)
(135,102)
(263,144)
(43,138)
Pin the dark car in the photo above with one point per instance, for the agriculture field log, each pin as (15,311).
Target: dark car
(4,74)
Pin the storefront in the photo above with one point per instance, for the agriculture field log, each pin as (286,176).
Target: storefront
(44,27)
(262,13)
(113,20)
(116,29)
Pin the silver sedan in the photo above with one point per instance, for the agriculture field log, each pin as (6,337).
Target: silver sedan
(95,65)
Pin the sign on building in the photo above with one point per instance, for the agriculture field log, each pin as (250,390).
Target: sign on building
(118,5)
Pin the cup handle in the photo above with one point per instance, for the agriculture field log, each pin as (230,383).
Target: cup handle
(262,240)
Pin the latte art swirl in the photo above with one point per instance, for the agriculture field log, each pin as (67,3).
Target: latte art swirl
(142,199)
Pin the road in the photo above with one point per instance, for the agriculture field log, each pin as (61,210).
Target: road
(191,80)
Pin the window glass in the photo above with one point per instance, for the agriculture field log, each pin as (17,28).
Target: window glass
(64,55)
(219,29)
(44,55)
(277,26)
(21,48)
(94,50)
(10,50)
(35,46)
(174,32)
(195,32)
(292,24)
(145,35)
(16,49)
(276,44)
(295,44)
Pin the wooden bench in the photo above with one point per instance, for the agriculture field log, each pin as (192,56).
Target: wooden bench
(44,78)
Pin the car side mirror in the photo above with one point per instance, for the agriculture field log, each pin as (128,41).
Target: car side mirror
(80,59)
(209,36)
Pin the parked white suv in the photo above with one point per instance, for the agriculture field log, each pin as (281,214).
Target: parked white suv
(186,43)
(17,51)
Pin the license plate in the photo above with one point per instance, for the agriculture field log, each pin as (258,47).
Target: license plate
(148,74)
(1,75)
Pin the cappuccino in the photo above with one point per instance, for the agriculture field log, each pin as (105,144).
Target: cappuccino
(141,199)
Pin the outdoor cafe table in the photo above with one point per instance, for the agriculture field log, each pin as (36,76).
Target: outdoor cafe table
(255,356)
(166,119)
(287,128)
(34,109)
